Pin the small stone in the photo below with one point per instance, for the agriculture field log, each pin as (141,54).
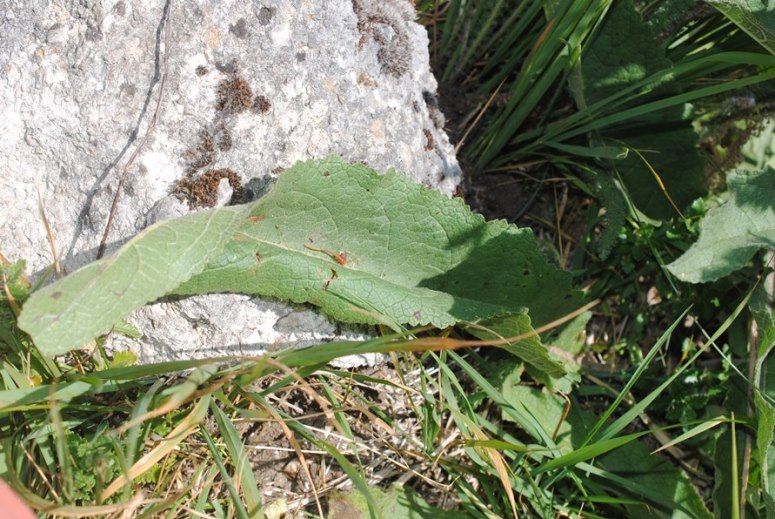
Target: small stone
(292,469)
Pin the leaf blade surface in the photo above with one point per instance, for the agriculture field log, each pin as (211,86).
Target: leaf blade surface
(410,254)
(364,247)
(732,233)
(88,302)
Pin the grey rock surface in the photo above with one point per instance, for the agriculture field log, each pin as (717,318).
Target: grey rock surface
(244,89)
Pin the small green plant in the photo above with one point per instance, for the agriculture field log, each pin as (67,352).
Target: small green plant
(415,260)
(646,108)
(657,401)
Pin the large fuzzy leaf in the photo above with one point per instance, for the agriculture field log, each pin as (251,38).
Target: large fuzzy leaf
(624,52)
(88,302)
(528,349)
(364,247)
(764,379)
(731,233)
(411,255)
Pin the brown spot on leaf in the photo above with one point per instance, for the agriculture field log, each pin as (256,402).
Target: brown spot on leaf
(327,283)
(255,266)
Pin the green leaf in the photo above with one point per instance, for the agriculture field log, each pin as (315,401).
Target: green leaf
(571,338)
(765,449)
(566,348)
(123,359)
(588,452)
(88,302)
(623,463)
(15,280)
(755,17)
(546,408)
(728,449)
(364,247)
(597,152)
(760,306)
(668,144)
(691,433)
(610,194)
(242,513)
(624,52)
(529,349)
(369,248)
(127,329)
(562,36)
(240,460)
(764,379)
(731,234)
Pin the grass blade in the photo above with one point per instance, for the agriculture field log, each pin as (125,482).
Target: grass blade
(243,470)
(588,452)
(235,498)
(188,426)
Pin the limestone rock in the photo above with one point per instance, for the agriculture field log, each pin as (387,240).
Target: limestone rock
(244,89)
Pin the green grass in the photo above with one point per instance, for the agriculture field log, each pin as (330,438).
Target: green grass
(657,365)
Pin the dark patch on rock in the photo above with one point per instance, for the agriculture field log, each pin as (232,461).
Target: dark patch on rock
(203,191)
(429,142)
(129,189)
(262,105)
(385,24)
(239,29)
(265,15)
(224,140)
(120,8)
(228,67)
(234,95)
(430,99)
(201,155)
(129,89)
(366,80)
